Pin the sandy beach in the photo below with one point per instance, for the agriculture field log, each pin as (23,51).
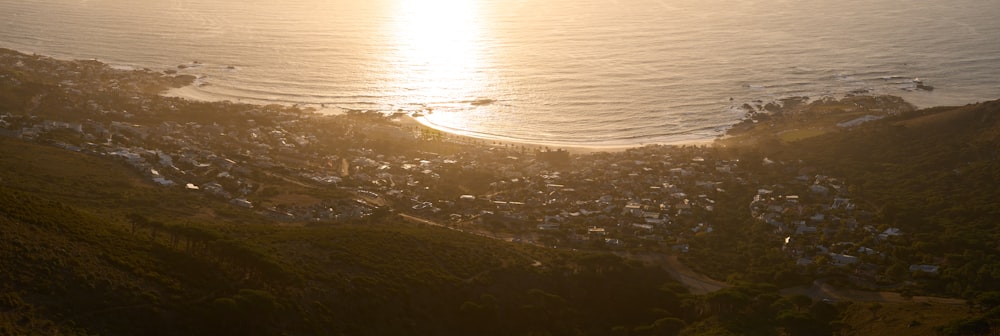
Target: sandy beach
(408,120)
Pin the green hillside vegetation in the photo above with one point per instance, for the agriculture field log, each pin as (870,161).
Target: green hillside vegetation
(73,264)
(934,173)
(103,186)
(915,318)
(70,270)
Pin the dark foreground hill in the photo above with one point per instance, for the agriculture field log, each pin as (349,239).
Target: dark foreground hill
(73,265)
(90,247)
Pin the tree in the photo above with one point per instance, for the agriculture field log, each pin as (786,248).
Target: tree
(801,301)
(988,300)
(137,221)
(668,326)
(897,271)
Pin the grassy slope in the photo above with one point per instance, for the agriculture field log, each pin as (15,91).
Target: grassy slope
(936,174)
(102,185)
(72,264)
(901,318)
(936,171)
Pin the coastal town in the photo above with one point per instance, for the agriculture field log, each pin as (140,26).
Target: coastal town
(299,167)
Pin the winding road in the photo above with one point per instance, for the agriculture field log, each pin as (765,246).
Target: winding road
(696,282)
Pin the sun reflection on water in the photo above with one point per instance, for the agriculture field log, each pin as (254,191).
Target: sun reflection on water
(439,56)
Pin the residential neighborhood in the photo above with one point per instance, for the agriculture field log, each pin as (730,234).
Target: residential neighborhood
(653,196)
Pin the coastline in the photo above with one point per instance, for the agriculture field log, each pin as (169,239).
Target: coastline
(419,121)
(189,91)
(184,86)
(815,115)
(807,112)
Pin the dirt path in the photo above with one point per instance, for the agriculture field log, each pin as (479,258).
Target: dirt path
(695,282)
(415,219)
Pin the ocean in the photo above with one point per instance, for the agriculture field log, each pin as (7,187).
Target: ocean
(559,72)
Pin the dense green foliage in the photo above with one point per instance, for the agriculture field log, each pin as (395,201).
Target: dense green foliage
(934,173)
(77,265)
(759,310)
(387,279)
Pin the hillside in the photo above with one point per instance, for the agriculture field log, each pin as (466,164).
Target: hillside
(933,172)
(73,264)
(176,262)
(936,173)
